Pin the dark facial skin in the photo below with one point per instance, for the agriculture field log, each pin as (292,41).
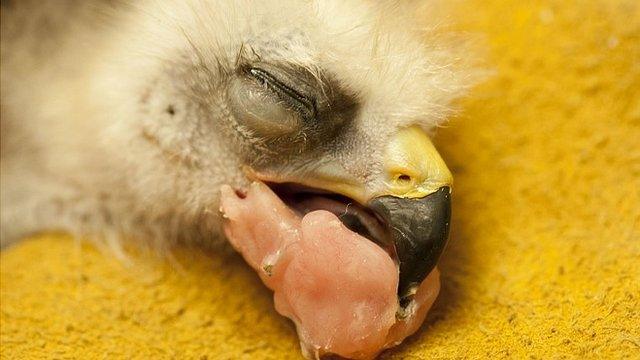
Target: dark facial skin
(306,112)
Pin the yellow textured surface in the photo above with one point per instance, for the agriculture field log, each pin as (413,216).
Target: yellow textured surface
(545,254)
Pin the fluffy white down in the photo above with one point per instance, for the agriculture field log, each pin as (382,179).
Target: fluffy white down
(114,120)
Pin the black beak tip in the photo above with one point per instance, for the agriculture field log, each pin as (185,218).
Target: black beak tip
(419,230)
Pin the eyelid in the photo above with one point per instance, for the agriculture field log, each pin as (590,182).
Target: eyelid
(259,111)
(303,104)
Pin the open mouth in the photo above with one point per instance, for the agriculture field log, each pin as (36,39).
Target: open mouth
(412,231)
(331,263)
(356,217)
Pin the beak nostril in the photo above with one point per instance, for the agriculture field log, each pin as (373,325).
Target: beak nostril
(413,168)
(404,178)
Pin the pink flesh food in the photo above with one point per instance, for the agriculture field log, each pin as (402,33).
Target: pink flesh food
(338,287)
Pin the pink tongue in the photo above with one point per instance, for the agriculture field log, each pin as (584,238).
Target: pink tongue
(338,287)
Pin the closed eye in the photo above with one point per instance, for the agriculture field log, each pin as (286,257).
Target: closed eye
(304,105)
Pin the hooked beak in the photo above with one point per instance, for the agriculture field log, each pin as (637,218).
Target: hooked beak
(416,206)
(418,229)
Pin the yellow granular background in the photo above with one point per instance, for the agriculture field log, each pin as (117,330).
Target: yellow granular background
(544,259)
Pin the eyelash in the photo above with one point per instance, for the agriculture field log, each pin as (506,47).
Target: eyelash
(302,104)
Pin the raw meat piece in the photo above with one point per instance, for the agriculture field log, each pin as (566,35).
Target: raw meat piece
(338,287)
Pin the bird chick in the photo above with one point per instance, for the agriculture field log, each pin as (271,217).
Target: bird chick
(123,120)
